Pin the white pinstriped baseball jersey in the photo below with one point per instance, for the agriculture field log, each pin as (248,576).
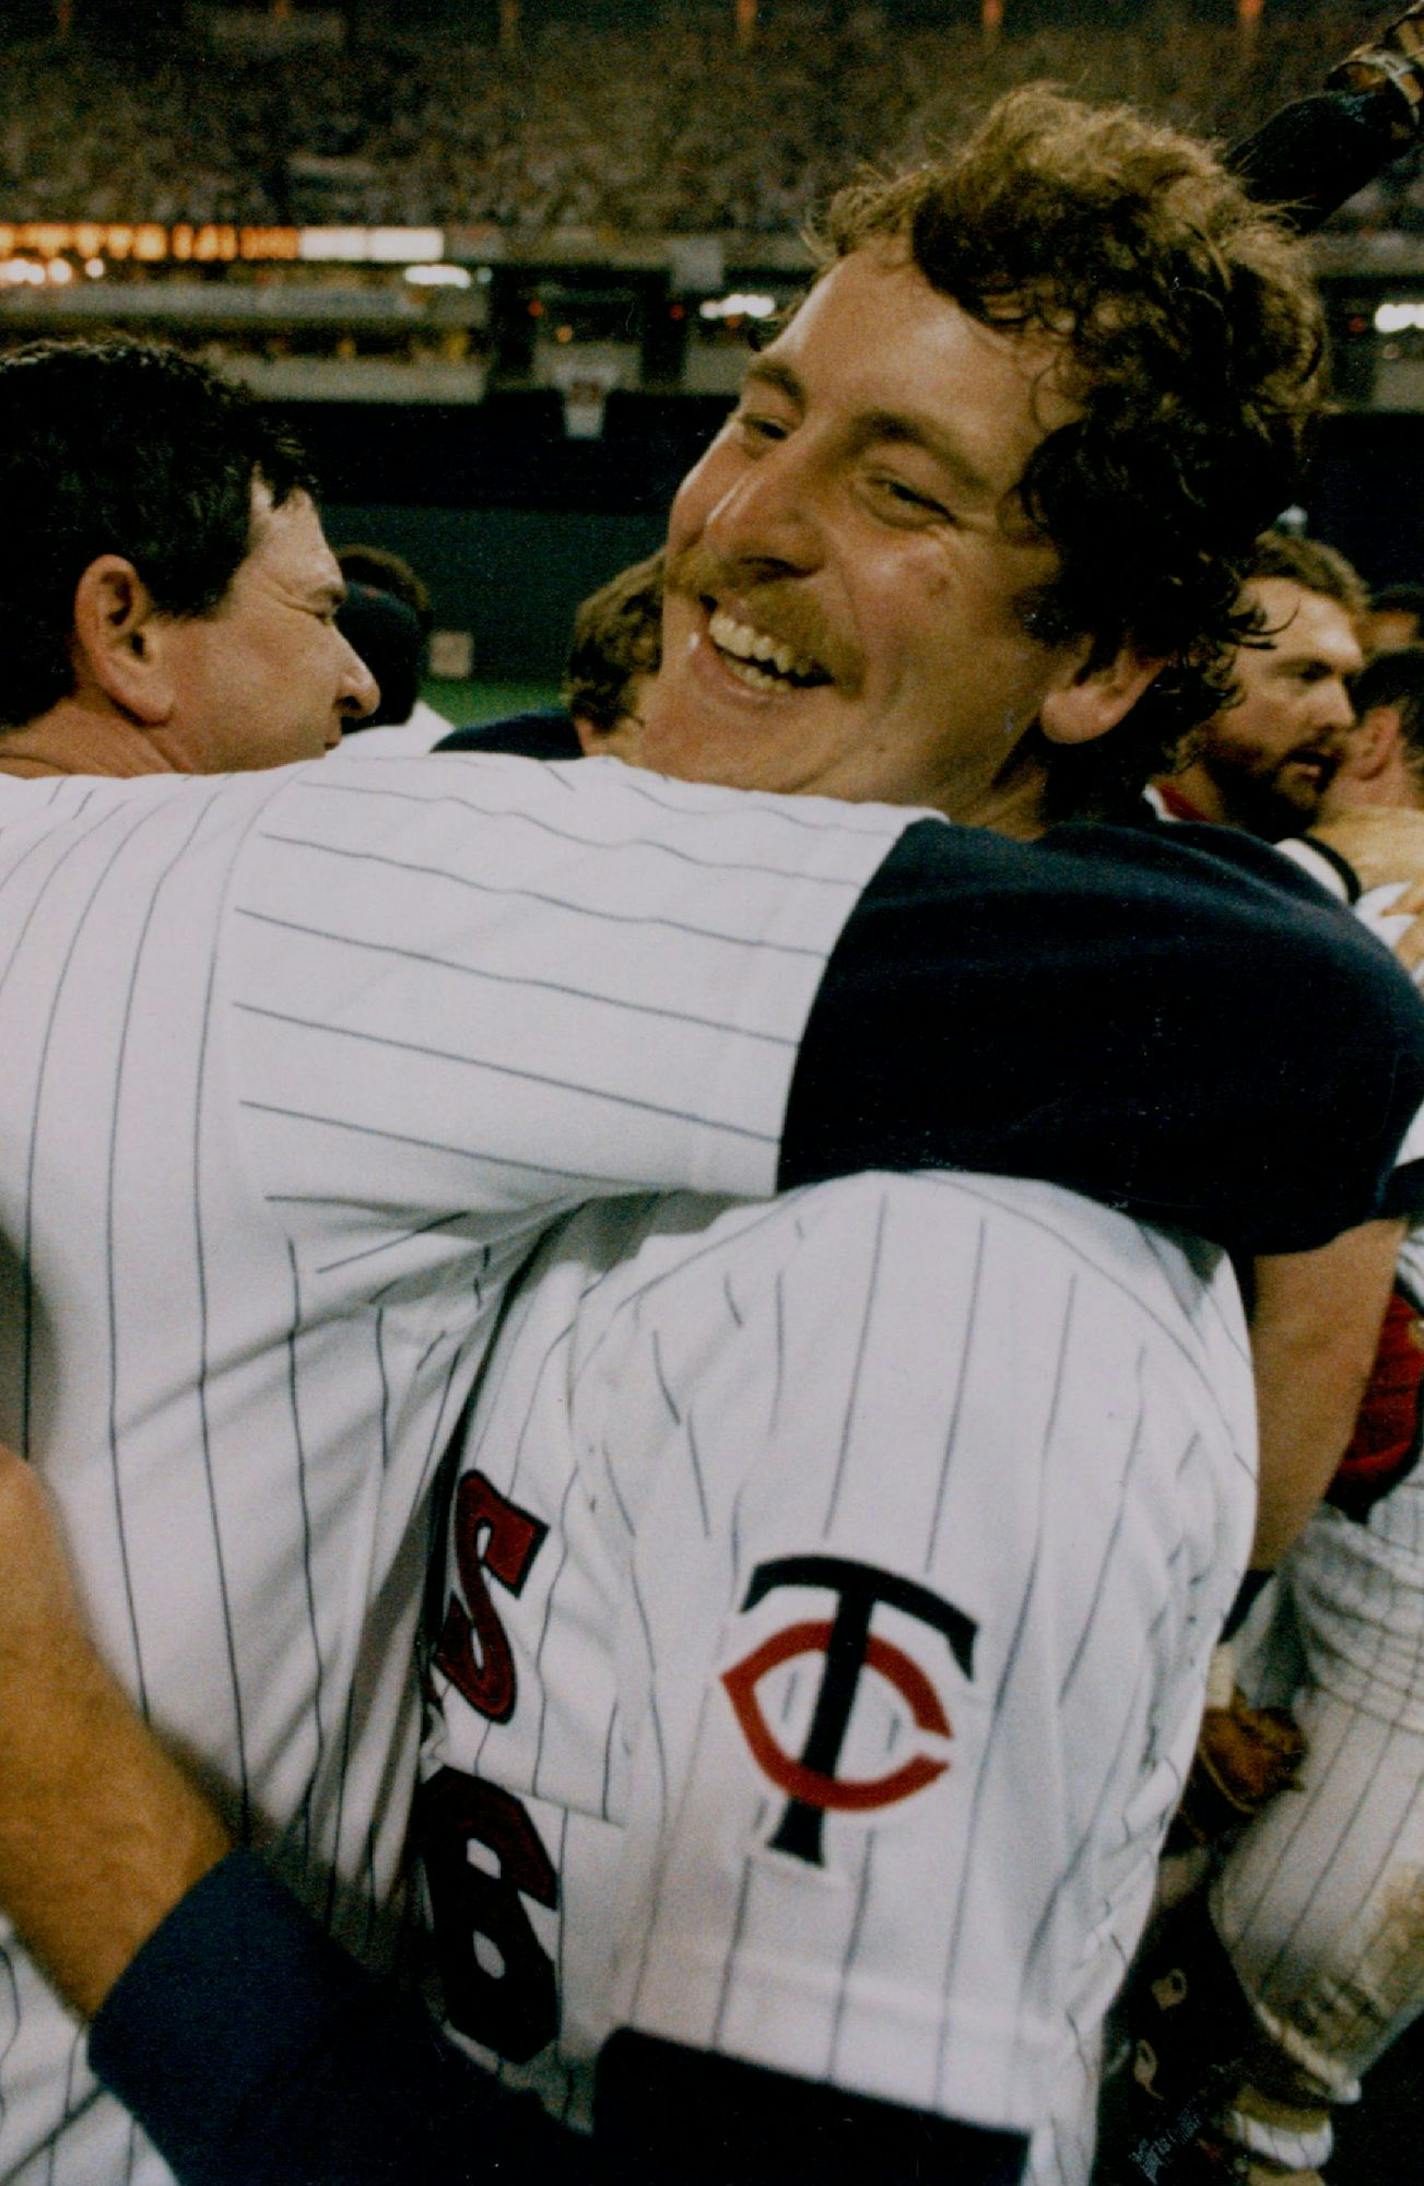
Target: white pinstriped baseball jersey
(823,1642)
(296,1067)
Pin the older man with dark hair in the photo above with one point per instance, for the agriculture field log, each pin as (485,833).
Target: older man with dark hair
(167,599)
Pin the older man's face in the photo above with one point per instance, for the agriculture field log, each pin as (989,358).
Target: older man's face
(845,602)
(1272,757)
(267,677)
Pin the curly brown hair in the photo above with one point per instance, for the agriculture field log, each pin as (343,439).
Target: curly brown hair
(1192,345)
(617,640)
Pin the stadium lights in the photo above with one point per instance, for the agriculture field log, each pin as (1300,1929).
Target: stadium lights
(439,276)
(371,246)
(394,246)
(738,307)
(1399,317)
(341,244)
(34,273)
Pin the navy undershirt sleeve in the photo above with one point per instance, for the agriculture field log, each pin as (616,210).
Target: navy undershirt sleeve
(1176,1022)
(671,2116)
(254,2052)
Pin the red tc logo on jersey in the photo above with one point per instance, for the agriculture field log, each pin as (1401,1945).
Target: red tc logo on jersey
(847,1648)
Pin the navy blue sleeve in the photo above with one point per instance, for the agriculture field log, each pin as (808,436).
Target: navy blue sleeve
(254,2052)
(670,2116)
(1177,1022)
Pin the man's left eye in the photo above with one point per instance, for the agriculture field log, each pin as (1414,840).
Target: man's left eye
(909,497)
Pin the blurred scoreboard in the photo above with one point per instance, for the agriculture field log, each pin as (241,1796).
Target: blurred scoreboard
(412,314)
(148,242)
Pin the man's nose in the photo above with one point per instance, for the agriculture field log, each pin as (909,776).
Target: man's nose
(771,519)
(360,693)
(1334,711)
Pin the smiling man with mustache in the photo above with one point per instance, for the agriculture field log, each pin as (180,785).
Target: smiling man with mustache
(856,601)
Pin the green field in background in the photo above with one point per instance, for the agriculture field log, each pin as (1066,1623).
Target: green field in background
(465,703)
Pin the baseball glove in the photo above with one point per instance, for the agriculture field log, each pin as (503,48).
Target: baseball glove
(1244,1757)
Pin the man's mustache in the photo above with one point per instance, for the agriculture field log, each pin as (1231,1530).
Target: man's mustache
(778,605)
(1329,754)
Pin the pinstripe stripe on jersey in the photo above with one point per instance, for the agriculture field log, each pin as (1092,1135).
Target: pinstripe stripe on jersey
(315,1708)
(876,1247)
(239,1742)
(12,1990)
(41,1053)
(109,1223)
(1000,1724)
(1186,1269)
(326,785)
(814,815)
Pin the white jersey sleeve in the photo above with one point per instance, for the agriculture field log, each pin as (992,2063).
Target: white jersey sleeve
(508,985)
(844,1575)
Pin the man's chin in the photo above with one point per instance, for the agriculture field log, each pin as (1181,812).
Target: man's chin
(1288,812)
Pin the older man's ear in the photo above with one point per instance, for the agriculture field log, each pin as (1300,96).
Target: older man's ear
(118,644)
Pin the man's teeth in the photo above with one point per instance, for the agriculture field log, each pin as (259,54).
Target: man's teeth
(759,653)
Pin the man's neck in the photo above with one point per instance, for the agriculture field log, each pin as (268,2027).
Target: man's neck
(1393,787)
(1012,803)
(1015,810)
(75,738)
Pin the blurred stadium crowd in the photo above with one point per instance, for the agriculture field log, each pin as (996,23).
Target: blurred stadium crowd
(658,127)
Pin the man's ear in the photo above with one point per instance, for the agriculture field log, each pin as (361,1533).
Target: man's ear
(118,644)
(1094,696)
(1376,740)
